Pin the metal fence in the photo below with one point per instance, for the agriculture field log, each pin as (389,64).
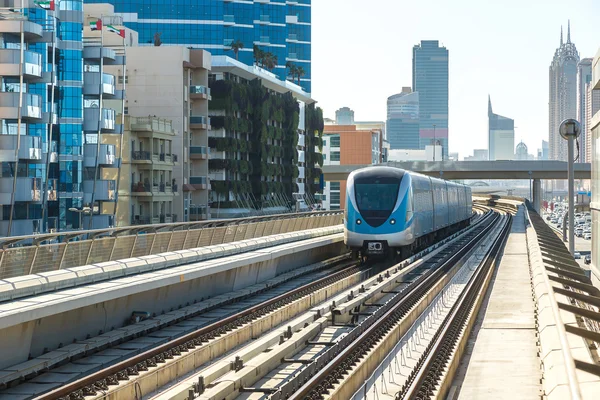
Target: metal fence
(25,255)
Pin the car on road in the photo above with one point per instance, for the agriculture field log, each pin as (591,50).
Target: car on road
(577,255)
(588,259)
(588,236)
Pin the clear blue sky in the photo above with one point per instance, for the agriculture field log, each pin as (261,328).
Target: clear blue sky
(362,53)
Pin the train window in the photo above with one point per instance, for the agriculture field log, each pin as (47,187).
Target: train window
(378,195)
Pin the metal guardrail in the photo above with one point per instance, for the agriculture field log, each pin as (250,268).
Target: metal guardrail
(563,276)
(51,252)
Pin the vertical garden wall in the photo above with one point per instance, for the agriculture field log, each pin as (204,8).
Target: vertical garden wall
(260,146)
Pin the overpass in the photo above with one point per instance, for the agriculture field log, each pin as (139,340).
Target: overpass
(459,170)
(455,170)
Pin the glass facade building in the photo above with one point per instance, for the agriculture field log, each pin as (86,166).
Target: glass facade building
(41,170)
(51,153)
(501,136)
(277,26)
(430,80)
(403,120)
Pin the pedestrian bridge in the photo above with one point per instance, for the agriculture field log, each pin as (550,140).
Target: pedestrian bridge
(456,170)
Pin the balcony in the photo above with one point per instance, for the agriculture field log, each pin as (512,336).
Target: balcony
(30,148)
(228,20)
(292,37)
(198,153)
(31,109)
(141,189)
(140,220)
(141,157)
(95,52)
(161,189)
(199,92)
(53,156)
(150,124)
(27,189)
(164,158)
(31,30)
(107,123)
(199,122)
(10,60)
(264,19)
(106,155)
(200,182)
(91,85)
(105,190)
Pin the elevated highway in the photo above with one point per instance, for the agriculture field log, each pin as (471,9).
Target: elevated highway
(474,169)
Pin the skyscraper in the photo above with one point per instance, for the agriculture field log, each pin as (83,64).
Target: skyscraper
(277,26)
(403,120)
(563,93)
(501,136)
(584,76)
(430,79)
(344,116)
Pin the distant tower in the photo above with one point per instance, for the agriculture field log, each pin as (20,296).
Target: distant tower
(584,77)
(430,80)
(563,93)
(403,120)
(344,116)
(521,152)
(501,135)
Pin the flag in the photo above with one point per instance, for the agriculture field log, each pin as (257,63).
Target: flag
(96,25)
(120,32)
(45,4)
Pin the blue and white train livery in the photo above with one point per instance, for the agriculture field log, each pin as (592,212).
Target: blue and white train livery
(390,210)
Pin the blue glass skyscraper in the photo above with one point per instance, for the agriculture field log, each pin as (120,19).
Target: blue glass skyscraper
(430,79)
(403,120)
(277,26)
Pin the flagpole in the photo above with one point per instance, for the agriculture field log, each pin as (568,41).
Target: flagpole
(101,86)
(122,132)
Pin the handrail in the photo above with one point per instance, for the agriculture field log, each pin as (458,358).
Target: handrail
(569,362)
(34,254)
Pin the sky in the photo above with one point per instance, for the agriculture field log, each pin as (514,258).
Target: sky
(362,54)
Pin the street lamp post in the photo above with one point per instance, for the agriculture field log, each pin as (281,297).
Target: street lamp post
(570,130)
(84,210)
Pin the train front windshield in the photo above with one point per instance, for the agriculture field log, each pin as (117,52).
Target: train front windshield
(376,197)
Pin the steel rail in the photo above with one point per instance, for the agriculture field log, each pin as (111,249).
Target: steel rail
(401,302)
(433,360)
(189,341)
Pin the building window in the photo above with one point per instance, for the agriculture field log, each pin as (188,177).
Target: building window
(334,198)
(121,79)
(324,156)
(324,142)
(335,156)
(334,141)
(334,186)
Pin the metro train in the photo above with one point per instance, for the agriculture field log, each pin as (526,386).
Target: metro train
(390,212)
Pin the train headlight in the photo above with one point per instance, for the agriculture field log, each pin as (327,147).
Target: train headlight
(358,222)
(392,221)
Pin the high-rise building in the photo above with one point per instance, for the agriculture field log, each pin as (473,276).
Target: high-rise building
(595,135)
(543,152)
(501,136)
(521,151)
(344,116)
(563,93)
(58,155)
(584,77)
(430,80)
(280,27)
(403,120)
(592,106)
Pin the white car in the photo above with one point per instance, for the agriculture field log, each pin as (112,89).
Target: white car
(587,236)
(577,255)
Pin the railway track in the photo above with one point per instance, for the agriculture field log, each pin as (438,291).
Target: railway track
(127,372)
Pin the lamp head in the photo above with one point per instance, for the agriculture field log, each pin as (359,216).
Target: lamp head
(570,128)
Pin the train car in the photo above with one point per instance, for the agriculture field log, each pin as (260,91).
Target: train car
(390,211)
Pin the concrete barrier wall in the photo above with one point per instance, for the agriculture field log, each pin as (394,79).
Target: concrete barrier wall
(46,327)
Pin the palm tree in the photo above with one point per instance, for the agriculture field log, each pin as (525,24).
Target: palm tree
(300,73)
(270,61)
(157,41)
(259,56)
(293,69)
(236,46)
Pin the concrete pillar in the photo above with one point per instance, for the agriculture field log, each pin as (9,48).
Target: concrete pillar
(537,195)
